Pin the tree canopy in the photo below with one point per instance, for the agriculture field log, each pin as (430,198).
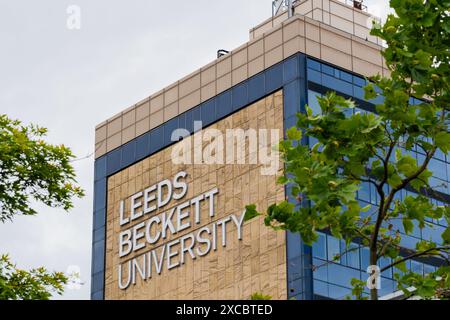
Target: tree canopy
(378,149)
(32,171)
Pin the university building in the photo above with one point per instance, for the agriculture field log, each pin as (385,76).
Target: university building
(170,227)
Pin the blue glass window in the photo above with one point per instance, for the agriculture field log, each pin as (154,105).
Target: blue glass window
(99,218)
(320,269)
(100,194)
(224,104)
(313,103)
(352,256)
(143,146)
(113,161)
(128,153)
(294,245)
(291,96)
(99,234)
(313,64)
(290,69)
(239,96)
(100,167)
(169,127)
(99,257)
(346,76)
(97,282)
(364,192)
(156,139)
(333,247)
(256,87)
(314,76)
(274,78)
(320,247)
(208,112)
(321,288)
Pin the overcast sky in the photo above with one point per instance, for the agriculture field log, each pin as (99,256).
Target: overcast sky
(71,80)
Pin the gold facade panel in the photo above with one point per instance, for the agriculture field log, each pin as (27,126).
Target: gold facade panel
(254,263)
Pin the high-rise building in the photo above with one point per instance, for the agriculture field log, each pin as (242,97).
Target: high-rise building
(168,213)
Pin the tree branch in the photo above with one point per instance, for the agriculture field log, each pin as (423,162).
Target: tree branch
(415,255)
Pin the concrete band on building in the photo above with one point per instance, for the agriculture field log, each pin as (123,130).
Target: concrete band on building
(288,62)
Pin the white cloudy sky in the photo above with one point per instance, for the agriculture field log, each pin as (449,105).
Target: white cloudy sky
(69,81)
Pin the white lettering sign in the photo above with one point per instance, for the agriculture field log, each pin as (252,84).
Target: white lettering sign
(168,225)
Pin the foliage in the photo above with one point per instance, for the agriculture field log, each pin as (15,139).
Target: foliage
(32,171)
(260,296)
(376,148)
(36,284)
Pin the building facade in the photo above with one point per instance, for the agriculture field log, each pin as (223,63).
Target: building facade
(173,230)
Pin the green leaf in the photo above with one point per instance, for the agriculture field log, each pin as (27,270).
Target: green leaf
(250,212)
(394,180)
(260,296)
(407,165)
(442,140)
(282,180)
(446,236)
(369,92)
(401,266)
(294,134)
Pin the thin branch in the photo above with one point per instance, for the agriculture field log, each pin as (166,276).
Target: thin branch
(415,255)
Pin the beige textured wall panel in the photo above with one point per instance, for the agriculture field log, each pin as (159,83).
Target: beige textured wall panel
(331,39)
(256,49)
(114,141)
(312,31)
(100,134)
(341,23)
(366,53)
(208,75)
(208,91)
(128,134)
(223,83)
(157,103)
(239,58)
(366,68)
(364,33)
(142,126)
(189,101)
(326,18)
(171,95)
(256,66)
(142,111)
(223,66)
(293,46)
(100,149)
(313,48)
(304,7)
(341,10)
(128,118)
(156,119)
(363,19)
(115,126)
(273,40)
(171,111)
(239,75)
(279,19)
(317,4)
(274,56)
(260,30)
(256,263)
(336,57)
(190,85)
(318,15)
(293,29)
